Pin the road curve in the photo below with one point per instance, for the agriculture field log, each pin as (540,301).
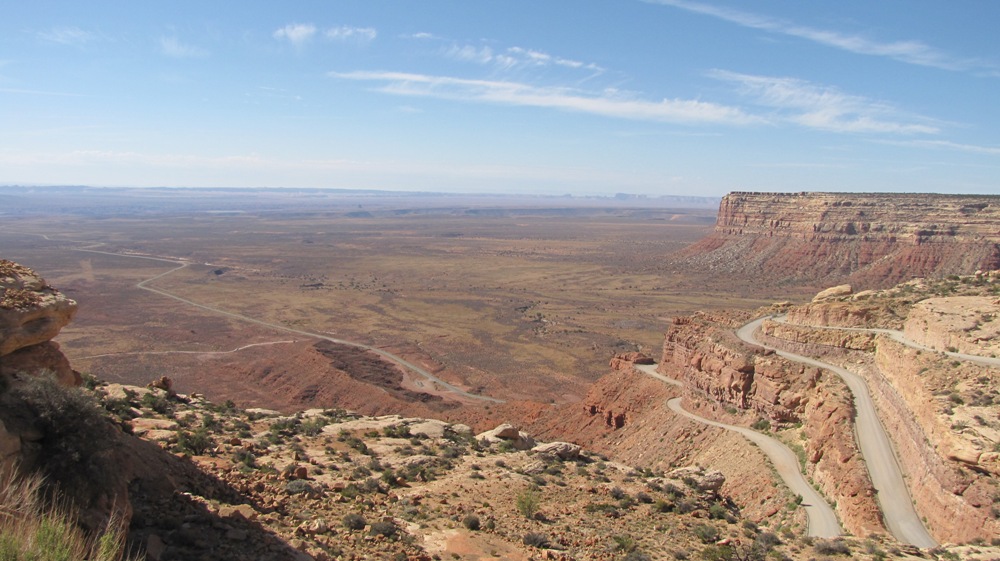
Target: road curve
(899,337)
(893,496)
(385,354)
(200,353)
(823,521)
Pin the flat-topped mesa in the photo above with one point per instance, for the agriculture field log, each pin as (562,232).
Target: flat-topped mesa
(31,314)
(871,239)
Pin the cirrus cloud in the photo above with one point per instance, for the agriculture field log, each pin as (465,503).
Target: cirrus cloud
(825,108)
(607,103)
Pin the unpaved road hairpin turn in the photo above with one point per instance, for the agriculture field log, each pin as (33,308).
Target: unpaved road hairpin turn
(900,517)
(823,521)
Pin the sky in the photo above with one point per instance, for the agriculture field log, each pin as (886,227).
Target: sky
(582,97)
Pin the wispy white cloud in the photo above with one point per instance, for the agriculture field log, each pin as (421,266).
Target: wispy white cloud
(949,145)
(172,47)
(296,33)
(67,35)
(347,33)
(515,57)
(608,103)
(910,51)
(825,108)
(421,35)
(471,53)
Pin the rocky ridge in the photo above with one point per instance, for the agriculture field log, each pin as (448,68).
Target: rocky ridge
(869,239)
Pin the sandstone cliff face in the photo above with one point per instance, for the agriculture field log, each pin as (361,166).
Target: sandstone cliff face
(968,324)
(31,314)
(946,470)
(872,240)
(740,379)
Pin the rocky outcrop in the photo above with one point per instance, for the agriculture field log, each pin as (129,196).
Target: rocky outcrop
(966,324)
(624,361)
(855,340)
(951,484)
(507,433)
(31,314)
(868,239)
(561,450)
(712,360)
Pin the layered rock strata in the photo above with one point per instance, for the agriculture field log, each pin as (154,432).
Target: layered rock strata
(31,314)
(869,239)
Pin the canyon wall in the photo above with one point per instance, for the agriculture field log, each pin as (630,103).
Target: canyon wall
(868,239)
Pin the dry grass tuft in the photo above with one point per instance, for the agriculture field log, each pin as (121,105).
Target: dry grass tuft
(34,529)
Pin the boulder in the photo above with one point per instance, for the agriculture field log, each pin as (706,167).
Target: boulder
(507,433)
(431,428)
(31,312)
(38,360)
(834,292)
(707,481)
(562,450)
(623,361)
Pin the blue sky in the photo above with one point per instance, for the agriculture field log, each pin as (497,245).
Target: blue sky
(658,97)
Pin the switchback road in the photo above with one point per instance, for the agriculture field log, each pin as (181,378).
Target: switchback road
(883,468)
(823,521)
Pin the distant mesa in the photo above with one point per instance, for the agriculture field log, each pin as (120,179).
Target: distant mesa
(871,240)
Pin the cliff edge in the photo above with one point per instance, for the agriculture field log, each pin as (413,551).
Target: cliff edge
(872,240)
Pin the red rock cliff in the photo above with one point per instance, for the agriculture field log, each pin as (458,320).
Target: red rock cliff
(869,239)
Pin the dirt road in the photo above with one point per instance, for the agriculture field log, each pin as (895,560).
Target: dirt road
(880,458)
(823,521)
(144,285)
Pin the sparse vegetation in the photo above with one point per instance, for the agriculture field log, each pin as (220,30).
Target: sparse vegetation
(528,502)
(43,531)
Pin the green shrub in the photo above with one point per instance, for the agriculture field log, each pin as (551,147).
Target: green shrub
(625,543)
(706,533)
(535,540)
(78,440)
(832,547)
(385,528)
(354,522)
(158,403)
(50,533)
(195,443)
(471,522)
(528,502)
